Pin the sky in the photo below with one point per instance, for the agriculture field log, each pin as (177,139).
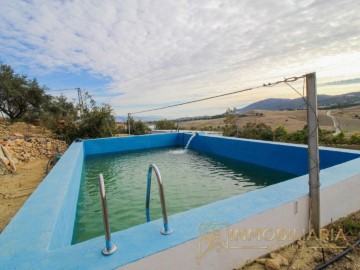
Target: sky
(139,55)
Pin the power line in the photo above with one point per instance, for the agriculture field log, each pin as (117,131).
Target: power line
(286,80)
(60,90)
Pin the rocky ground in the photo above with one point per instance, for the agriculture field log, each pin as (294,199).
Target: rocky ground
(27,150)
(26,143)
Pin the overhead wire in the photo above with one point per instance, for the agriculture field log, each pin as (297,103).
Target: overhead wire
(60,90)
(286,80)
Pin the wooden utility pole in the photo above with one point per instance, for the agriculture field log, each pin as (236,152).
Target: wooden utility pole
(313,152)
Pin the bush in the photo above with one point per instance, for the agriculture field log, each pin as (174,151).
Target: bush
(299,136)
(95,122)
(165,124)
(255,131)
(67,132)
(230,130)
(138,127)
(262,131)
(355,139)
(280,134)
(339,139)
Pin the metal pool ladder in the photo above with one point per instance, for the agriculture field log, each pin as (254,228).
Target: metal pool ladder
(109,248)
(167,229)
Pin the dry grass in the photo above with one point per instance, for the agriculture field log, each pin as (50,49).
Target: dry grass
(291,120)
(349,119)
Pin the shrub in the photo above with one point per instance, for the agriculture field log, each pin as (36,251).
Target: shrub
(138,127)
(255,131)
(280,134)
(165,124)
(355,139)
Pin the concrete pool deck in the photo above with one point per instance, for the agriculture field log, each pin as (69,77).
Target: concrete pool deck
(40,234)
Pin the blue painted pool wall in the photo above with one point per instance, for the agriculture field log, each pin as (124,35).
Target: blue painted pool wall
(279,156)
(111,145)
(70,172)
(331,157)
(64,227)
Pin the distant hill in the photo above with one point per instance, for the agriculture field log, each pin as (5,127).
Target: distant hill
(324,101)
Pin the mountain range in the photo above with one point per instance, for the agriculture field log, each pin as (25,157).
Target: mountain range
(271,104)
(324,101)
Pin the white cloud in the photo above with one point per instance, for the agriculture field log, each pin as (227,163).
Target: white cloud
(159,52)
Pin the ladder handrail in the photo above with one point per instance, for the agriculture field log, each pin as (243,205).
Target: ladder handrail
(166,230)
(109,248)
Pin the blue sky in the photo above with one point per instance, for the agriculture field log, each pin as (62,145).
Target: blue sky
(143,54)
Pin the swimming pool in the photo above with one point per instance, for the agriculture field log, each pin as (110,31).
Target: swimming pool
(41,233)
(191,179)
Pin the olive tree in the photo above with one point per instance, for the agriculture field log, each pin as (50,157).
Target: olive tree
(18,94)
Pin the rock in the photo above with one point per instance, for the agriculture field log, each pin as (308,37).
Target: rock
(272,264)
(8,156)
(5,160)
(261,261)
(318,258)
(18,135)
(279,258)
(301,242)
(34,148)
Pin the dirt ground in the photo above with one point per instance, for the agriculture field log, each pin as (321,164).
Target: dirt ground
(16,188)
(310,254)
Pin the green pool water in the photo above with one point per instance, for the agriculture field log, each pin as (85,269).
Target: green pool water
(191,179)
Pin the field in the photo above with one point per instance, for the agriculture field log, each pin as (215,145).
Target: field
(292,120)
(349,119)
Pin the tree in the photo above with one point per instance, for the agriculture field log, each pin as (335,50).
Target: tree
(54,111)
(18,94)
(61,108)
